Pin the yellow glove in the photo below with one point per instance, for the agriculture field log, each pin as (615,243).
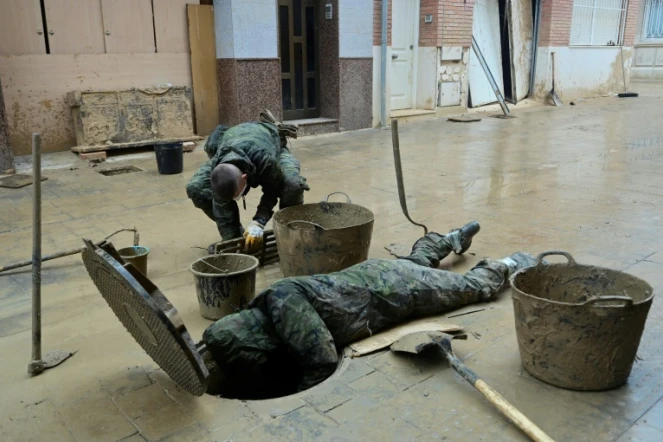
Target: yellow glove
(253,236)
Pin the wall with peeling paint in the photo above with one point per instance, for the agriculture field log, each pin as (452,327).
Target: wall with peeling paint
(35,88)
(581,72)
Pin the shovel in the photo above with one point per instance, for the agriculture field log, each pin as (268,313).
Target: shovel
(417,342)
(553,95)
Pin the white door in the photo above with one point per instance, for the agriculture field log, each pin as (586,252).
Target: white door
(486,31)
(403,19)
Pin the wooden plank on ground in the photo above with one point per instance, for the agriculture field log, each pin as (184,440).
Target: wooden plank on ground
(386,338)
(203,67)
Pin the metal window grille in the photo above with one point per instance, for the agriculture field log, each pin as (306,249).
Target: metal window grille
(652,23)
(598,22)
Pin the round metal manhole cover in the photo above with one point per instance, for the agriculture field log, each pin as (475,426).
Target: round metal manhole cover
(149,317)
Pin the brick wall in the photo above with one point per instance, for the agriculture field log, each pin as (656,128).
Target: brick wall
(631,22)
(456,23)
(556,17)
(377,23)
(555,27)
(430,33)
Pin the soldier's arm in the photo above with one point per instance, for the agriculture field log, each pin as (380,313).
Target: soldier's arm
(226,215)
(271,182)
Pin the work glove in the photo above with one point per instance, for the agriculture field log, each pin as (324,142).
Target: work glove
(253,236)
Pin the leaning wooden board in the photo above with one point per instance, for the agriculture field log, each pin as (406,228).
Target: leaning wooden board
(203,67)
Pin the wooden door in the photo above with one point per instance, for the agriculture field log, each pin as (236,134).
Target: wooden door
(403,17)
(486,31)
(21,28)
(298,51)
(128,26)
(74,26)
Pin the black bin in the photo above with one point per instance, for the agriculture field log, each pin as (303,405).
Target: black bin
(170,158)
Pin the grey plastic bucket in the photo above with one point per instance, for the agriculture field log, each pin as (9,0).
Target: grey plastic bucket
(225,283)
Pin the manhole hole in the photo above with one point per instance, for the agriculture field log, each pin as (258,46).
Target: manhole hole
(276,377)
(120,170)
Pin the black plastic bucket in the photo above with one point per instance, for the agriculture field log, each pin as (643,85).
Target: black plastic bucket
(170,158)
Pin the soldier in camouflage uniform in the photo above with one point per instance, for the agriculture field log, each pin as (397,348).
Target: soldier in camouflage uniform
(290,335)
(259,151)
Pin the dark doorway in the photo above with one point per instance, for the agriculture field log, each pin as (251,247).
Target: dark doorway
(505,33)
(298,51)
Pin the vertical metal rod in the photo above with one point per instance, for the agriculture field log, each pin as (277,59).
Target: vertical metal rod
(489,76)
(36,365)
(399,174)
(383,65)
(535,47)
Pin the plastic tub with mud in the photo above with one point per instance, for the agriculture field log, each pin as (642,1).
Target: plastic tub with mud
(579,326)
(225,283)
(321,238)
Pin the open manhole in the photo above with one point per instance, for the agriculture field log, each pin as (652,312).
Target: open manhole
(120,170)
(268,370)
(277,375)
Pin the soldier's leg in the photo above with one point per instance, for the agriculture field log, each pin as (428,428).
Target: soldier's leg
(433,247)
(294,185)
(302,329)
(199,189)
(226,215)
(450,291)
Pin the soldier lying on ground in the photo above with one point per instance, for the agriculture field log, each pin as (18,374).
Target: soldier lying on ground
(289,337)
(244,156)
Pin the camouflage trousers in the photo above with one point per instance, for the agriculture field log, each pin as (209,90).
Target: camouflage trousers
(226,213)
(314,316)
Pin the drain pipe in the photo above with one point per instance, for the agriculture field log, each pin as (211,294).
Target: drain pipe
(535,46)
(383,66)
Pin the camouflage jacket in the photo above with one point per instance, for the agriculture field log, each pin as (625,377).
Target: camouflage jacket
(254,148)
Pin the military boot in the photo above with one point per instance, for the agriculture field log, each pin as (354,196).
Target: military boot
(461,239)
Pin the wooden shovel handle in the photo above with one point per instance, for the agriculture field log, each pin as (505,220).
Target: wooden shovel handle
(498,401)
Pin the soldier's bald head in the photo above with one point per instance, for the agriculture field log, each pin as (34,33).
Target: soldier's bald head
(226,181)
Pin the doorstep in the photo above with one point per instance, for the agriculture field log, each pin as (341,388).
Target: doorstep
(315,126)
(407,115)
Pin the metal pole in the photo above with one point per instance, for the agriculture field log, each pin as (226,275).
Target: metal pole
(535,47)
(383,65)
(64,253)
(489,76)
(399,174)
(36,366)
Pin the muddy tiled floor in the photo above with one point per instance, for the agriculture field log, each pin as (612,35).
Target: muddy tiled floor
(585,178)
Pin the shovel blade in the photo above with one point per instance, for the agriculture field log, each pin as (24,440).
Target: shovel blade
(555,99)
(417,342)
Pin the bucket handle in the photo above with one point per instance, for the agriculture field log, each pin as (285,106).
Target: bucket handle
(348,200)
(567,255)
(627,300)
(316,226)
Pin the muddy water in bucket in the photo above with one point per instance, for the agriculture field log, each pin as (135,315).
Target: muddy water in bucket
(137,256)
(322,238)
(225,283)
(579,326)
